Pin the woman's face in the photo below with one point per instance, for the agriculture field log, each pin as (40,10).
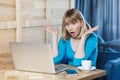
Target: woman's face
(74,29)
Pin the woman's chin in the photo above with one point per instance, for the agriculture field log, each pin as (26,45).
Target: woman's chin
(74,37)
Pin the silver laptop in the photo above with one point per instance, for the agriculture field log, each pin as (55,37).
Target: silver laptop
(34,57)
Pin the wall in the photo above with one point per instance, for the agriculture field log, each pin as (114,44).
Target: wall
(23,20)
(7,24)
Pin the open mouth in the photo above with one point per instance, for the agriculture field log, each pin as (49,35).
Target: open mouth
(72,33)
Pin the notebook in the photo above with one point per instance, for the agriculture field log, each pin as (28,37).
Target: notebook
(34,57)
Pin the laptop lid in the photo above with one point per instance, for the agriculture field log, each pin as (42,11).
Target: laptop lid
(32,57)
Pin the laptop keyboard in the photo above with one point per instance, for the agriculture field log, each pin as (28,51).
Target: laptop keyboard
(60,67)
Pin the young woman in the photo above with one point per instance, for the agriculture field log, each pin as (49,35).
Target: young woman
(78,41)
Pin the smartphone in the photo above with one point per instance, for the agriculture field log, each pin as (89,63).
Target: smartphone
(71,72)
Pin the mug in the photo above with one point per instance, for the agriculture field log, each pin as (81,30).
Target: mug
(86,64)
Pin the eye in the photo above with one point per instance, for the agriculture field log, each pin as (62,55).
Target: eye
(73,23)
(66,24)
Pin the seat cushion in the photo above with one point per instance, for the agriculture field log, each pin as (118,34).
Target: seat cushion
(104,57)
(113,69)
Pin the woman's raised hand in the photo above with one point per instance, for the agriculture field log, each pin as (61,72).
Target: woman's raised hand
(51,30)
(86,34)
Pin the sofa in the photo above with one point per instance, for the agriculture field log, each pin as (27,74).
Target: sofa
(109,60)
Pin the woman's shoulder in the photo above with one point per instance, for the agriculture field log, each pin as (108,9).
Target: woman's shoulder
(64,41)
(93,37)
(92,40)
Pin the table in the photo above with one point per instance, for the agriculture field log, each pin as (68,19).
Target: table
(12,74)
(115,44)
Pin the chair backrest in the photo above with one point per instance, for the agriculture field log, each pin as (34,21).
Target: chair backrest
(103,48)
(100,39)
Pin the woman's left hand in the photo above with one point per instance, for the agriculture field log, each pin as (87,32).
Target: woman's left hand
(86,34)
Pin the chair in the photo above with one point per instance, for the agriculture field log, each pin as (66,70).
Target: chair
(109,60)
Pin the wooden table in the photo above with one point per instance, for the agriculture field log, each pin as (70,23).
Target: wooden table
(12,74)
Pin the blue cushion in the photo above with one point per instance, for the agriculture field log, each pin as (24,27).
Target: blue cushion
(104,57)
(113,69)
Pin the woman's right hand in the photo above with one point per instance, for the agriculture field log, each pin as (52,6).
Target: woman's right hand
(51,30)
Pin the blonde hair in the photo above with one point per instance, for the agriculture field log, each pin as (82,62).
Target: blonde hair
(72,16)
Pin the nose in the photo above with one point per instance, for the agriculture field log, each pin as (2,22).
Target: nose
(70,26)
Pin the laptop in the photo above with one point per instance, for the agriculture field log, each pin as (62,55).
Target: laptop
(34,57)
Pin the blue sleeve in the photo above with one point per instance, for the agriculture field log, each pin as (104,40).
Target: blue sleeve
(61,51)
(90,46)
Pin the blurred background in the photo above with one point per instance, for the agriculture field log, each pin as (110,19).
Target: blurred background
(105,13)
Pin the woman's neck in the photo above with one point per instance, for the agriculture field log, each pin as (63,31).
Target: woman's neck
(75,43)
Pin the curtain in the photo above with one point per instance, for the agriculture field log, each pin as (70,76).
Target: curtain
(105,13)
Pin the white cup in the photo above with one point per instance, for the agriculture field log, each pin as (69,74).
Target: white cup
(86,64)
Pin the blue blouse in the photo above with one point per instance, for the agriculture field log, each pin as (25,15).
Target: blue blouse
(66,53)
